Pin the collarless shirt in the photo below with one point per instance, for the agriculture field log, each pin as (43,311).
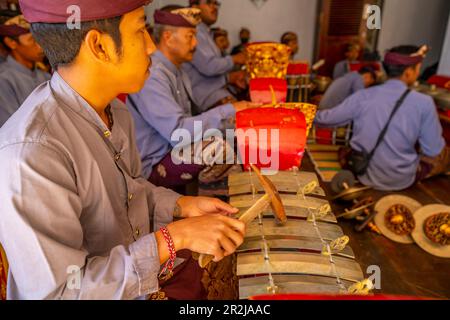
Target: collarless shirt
(341,89)
(341,69)
(73,198)
(164,105)
(395,162)
(208,70)
(16,83)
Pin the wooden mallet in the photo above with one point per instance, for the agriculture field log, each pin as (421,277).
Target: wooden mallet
(271,197)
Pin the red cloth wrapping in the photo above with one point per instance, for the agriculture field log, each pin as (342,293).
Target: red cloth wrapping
(255,127)
(260,90)
(324,136)
(440,81)
(298,68)
(356,66)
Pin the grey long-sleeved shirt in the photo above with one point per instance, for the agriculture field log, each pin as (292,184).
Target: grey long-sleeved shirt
(16,84)
(208,70)
(163,106)
(72,197)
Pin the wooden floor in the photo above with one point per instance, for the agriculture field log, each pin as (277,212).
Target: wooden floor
(405,269)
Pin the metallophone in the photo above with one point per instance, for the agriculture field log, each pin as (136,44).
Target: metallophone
(300,249)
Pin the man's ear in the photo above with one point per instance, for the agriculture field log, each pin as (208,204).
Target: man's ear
(167,35)
(411,72)
(10,43)
(100,46)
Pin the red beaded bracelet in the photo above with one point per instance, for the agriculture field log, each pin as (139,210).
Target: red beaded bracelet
(168,267)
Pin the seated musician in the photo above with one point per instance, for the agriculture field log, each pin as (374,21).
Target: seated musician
(352,52)
(291,40)
(221,39)
(396,165)
(18,74)
(166,103)
(244,36)
(209,71)
(86,225)
(345,86)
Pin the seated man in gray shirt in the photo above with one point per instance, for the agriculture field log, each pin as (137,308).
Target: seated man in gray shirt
(77,220)
(18,74)
(345,86)
(166,104)
(352,52)
(209,71)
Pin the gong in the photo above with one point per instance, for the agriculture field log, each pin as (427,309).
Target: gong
(432,232)
(395,217)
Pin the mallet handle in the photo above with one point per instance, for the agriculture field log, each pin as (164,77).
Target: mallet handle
(246,218)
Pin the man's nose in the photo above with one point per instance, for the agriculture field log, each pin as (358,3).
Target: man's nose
(151,47)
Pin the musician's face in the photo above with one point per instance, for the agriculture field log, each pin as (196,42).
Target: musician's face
(209,11)
(27,48)
(293,44)
(182,43)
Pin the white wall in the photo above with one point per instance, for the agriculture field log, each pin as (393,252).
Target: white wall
(267,23)
(444,66)
(414,22)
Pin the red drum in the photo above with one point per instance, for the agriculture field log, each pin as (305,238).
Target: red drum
(271,138)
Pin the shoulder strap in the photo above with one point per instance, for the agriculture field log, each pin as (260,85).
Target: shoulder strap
(386,127)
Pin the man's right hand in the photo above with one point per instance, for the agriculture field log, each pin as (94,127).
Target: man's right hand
(240,58)
(215,235)
(244,105)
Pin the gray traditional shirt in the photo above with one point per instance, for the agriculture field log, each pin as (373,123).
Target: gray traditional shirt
(208,70)
(341,89)
(164,105)
(341,69)
(394,164)
(72,196)
(16,84)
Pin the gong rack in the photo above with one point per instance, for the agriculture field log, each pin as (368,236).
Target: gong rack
(309,254)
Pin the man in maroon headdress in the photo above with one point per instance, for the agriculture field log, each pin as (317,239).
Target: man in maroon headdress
(395,164)
(77,219)
(18,74)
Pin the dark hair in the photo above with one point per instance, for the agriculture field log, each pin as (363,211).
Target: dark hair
(288,37)
(395,71)
(62,45)
(244,30)
(4,45)
(350,46)
(218,32)
(368,69)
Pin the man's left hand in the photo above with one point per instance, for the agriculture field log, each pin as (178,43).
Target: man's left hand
(198,206)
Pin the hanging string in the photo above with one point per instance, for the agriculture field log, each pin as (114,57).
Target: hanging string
(272,288)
